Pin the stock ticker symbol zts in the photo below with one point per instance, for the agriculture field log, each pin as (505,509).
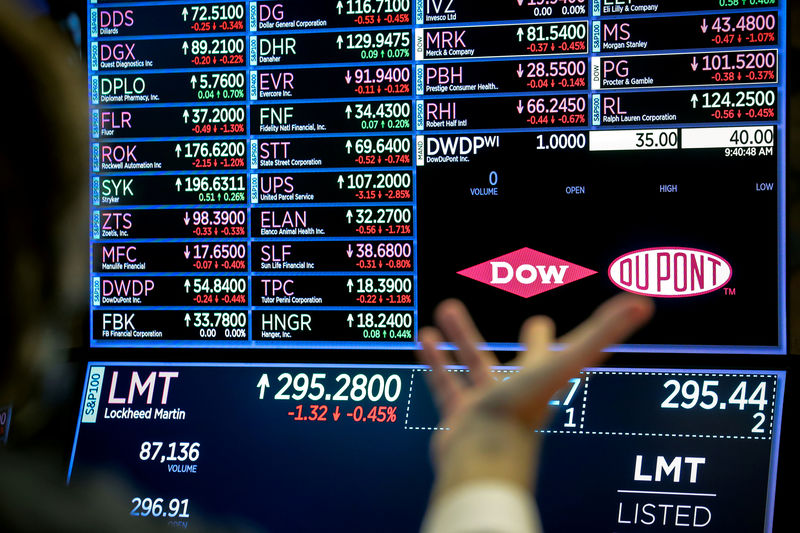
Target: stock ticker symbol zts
(527,272)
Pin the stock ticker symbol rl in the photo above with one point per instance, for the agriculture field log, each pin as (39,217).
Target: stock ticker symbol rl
(527,272)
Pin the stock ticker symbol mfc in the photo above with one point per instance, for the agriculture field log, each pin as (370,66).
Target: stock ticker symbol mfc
(526,272)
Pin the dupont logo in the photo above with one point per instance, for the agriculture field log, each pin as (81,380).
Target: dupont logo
(527,272)
(670,272)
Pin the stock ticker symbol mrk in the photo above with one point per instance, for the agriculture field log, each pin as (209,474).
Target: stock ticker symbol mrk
(527,272)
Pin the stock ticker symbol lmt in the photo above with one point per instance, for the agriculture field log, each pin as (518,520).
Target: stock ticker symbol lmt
(527,272)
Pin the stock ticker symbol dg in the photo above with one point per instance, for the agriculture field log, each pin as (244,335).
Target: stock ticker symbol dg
(527,272)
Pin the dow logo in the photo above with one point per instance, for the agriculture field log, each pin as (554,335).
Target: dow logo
(527,272)
(670,272)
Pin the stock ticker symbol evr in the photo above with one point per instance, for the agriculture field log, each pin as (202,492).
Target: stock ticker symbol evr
(527,272)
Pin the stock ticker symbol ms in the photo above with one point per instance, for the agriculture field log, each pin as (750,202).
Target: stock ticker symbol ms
(527,272)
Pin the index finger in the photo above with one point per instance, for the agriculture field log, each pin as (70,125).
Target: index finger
(611,323)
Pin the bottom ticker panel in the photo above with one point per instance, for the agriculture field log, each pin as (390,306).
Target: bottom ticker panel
(304,447)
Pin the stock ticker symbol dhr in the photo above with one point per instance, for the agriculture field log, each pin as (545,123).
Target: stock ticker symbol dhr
(527,272)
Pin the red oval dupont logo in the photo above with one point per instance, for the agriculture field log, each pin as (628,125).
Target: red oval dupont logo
(670,272)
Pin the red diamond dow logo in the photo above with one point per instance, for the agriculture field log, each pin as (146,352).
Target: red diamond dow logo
(527,272)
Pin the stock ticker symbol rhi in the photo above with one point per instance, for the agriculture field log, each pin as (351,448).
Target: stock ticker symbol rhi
(527,272)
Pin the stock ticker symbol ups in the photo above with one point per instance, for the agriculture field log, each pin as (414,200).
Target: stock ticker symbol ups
(527,272)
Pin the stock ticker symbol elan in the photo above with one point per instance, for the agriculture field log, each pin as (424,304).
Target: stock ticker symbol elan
(527,272)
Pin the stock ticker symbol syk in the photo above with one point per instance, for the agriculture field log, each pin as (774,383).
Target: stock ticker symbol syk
(527,272)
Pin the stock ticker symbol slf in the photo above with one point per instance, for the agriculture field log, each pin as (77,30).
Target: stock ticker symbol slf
(527,272)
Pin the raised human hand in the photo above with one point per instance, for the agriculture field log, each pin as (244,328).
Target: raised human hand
(491,421)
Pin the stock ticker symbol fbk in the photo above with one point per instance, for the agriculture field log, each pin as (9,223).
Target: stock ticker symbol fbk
(527,272)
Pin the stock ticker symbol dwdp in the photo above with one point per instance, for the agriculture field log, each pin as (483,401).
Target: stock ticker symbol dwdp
(527,272)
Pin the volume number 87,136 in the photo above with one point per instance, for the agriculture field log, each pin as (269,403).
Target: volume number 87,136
(174,451)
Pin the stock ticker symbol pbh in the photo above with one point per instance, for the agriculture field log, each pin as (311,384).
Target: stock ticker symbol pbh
(527,272)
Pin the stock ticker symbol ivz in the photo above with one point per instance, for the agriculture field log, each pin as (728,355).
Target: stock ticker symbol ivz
(527,272)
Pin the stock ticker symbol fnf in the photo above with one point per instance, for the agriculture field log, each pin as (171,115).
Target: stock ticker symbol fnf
(527,272)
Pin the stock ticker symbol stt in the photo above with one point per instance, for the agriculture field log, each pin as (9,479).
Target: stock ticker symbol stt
(527,272)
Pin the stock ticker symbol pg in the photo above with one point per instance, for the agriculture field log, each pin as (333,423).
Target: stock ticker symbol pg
(527,272)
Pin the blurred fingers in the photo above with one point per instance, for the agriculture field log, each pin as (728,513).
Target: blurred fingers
(457,325)
(446,388)
(537,335)
(610,324)
(538,381)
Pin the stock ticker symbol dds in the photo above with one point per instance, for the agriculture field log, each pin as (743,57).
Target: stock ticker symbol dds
(527,272)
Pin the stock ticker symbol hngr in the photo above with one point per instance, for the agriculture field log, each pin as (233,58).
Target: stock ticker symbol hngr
(527,272)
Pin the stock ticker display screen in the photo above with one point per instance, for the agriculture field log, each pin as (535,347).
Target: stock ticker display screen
(319,174)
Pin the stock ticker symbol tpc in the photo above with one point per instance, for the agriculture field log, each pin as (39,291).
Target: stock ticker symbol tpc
(527,272)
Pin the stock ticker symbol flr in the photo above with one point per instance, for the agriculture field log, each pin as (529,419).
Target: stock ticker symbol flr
(527,272)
